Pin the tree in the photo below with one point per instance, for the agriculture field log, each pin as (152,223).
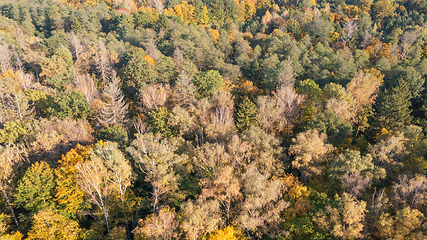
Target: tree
(310,151)
(115,110)
(69,196)
(140,71)
(70,105)
(286,76)
(95,177)
(10,159)
(152,96)
(228,233)
(154,156)
(161,225)
(354,171)
(35,189)
(246,115)
(184,91)
(200,217)
(344,221)
(400,226)
(48,224)
(158,119)
(364,88)
(261,210)
(393,108)
(207,83)
(103,64)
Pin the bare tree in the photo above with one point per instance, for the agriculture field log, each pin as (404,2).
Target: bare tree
(106,171)
(155,157)
(286,76)
(115,109)
(162,225)
(408,38)
(10,159)
(5,57)
(152,96)
(184,91)
(349,28)
(75,45)
(16,106)
(103,64)
(178,57)
(85,84)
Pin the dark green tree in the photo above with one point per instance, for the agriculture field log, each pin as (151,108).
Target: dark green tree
(70,105)
(394,107)
(247,115)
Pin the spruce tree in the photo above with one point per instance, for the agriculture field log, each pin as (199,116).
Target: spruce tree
(246,115)
(394,107)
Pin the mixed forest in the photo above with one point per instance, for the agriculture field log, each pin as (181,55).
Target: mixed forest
(213,119)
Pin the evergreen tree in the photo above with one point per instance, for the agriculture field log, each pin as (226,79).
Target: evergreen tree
(246,115)
(394,107)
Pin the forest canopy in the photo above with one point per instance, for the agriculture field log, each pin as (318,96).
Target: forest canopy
(213,119)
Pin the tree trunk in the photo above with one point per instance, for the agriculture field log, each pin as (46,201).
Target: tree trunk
(9,204)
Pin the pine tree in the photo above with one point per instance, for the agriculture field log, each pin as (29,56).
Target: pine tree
(394,107)
(115,110)
(246,115)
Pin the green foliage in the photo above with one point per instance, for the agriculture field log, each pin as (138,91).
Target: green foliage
(208,83)
(158,119)
(334,126)
(114,133)
(246,115)
(393,108)
(310,88)
(70,105)
(36,188)
(40,99)
(139,72)
(13,131)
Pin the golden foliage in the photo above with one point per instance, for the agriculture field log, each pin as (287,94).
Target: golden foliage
(48,224)
(68,195)
(228,233)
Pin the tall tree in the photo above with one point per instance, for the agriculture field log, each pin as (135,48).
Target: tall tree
(10,159)
(394,107)
(106,171)
(115,110)
(155,157)
(103,63)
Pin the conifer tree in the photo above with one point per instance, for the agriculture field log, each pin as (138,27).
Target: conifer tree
(115,110)
(247,115)
(393,109)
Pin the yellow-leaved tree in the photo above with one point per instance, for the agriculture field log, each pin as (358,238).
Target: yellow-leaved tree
(68,195)
(228,233)
(48,224)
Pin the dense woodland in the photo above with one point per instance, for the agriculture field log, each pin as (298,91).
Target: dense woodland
(213,119)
